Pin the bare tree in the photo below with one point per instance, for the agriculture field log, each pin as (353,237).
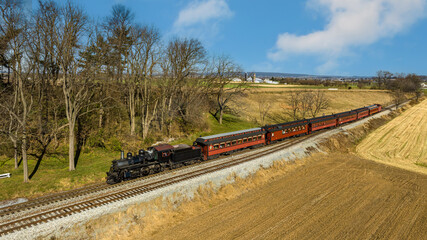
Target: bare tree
(223,72)
(77,93)
(182,85)
(144,57)
(15,26)
(398,97)
(306,103)
(119,27)
(318,102)
(301,103)
(264,107)
(9,126)
(294,103)
(384,78)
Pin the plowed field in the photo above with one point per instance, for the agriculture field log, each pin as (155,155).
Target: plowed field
(402,142)
(335,197)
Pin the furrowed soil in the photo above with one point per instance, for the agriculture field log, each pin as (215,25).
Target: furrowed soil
(402,142)
(333,197)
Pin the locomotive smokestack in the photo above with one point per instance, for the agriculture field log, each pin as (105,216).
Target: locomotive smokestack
(122,155)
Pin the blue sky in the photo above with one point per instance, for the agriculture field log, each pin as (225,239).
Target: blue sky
(344,37)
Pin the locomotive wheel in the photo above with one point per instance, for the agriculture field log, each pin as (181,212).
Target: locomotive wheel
(144,171)
(158,168)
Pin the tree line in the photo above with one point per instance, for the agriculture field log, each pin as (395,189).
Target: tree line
(72,77)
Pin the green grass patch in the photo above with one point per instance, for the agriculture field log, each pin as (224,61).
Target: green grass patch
(53,175)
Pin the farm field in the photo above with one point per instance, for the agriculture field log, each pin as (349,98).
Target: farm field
(339,100)
(402,142)
(337,196)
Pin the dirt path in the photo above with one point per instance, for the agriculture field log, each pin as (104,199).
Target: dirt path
(335,197)
(402,142)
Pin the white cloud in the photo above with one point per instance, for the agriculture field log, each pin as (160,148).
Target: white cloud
(203,11)
(201,19)
(351,23)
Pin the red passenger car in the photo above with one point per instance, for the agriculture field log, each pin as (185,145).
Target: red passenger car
(362,112)
(346,117)
(322,122)
(281,131)
(374,109)
(226,143)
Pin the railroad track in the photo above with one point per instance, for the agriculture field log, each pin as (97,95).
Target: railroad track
(30,220)
(42,216)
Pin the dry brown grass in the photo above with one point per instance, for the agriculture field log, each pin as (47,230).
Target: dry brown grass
(341,100)
(402,142)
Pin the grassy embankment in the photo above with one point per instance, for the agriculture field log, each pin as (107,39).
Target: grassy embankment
(53,174)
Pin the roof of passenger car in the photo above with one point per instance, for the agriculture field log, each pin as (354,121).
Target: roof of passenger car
(224,135)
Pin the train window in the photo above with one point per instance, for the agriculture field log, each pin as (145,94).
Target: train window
(303,127)
(234,142)
(210,147)
(216,146)
(249,139)
(245,140)
(222,145)
(239,141)
(228,144)
(254,139)
(260,136)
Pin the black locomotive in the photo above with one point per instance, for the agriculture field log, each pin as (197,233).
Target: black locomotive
(155,159)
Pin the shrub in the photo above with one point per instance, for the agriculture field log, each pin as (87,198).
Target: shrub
(114,144)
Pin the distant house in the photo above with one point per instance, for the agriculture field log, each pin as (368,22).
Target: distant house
(424,85)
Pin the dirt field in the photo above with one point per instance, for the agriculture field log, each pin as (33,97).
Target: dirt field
(402,142)
(353,198)
(336,196)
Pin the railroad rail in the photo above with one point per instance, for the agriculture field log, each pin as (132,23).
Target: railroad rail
(30,220)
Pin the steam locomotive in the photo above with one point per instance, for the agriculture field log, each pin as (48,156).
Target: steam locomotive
(155,159)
